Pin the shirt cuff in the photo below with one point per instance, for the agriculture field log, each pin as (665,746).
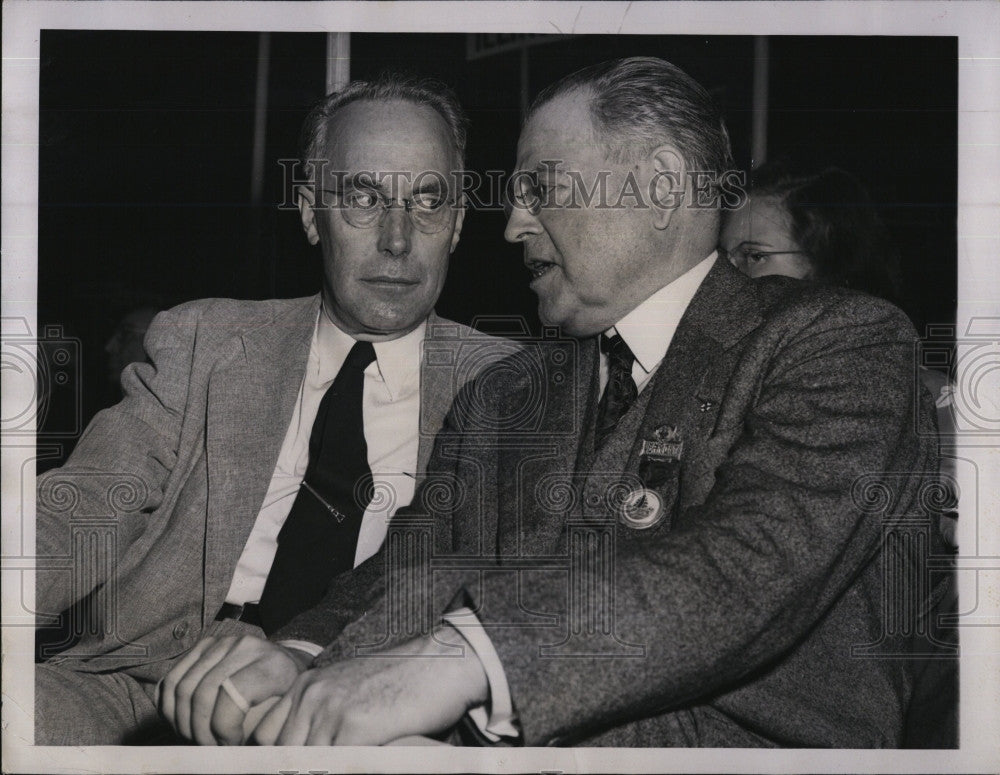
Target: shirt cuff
(303,645)
(495,719)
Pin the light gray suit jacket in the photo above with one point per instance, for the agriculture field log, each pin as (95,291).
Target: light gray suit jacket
(772,604)
(154,506)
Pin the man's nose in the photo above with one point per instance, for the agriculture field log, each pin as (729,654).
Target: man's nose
(395,232)
(521,223)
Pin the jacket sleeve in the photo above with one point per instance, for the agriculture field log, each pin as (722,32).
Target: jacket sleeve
(395,595)
(119,467)
(359,604)
(749,572)
(362,605)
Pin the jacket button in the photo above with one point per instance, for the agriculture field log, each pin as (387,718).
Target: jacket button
(181,630)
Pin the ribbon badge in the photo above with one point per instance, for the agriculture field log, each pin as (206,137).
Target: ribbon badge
(666,446)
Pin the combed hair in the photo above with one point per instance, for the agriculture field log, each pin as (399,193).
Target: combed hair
(642,102)
(387,87)
(835,223)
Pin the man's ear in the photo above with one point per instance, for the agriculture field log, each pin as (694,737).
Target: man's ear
(306,199)
(667,186)
(459,220)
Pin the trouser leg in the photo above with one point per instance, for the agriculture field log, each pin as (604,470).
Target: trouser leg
(74,708)
(77,708)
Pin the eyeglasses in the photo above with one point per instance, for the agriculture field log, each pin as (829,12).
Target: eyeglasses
(744,255)
(364,208)
(528,193)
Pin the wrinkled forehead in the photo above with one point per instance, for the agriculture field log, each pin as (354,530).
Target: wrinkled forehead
(395,142)
(561,130)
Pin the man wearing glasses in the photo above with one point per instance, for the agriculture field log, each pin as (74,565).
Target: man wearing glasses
(267,443)
(716,552)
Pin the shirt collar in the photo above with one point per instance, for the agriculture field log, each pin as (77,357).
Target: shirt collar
(397,360)
(649,328)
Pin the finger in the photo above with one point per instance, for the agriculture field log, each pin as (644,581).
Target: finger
(232,707)
(256,714)
(168,684)
(268,675)
(206,697)
(267,731)
(235,695)
(188,685)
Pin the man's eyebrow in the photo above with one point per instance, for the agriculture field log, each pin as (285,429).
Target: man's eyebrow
(361,179)
(432,186)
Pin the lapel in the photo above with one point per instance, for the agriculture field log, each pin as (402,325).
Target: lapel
(588,395)
(438,386)
(720,314)
(250,402)
(590,381)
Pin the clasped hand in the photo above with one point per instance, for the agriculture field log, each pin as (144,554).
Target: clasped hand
(422,687)
(192,698)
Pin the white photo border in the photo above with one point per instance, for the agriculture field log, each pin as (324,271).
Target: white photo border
(974,23)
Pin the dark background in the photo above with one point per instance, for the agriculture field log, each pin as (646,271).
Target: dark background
(146,143)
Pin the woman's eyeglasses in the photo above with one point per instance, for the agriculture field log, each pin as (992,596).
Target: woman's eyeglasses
(744,255)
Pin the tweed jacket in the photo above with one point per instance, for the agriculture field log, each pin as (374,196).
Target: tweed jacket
(153,508)
(759,610)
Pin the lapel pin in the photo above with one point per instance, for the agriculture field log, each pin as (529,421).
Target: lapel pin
(705,405)
(665,445)
(642,509)
(660,455)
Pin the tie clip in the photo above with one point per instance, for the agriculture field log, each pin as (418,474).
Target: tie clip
(334,511)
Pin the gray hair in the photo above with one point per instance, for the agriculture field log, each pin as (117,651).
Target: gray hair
(641,102)
(387,87)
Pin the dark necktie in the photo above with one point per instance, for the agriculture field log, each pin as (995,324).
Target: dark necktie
(620,392)
(320,535)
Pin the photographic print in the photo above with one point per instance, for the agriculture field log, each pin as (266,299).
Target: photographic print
(544,386)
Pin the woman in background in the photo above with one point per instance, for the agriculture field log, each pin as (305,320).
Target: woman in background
(822,226)
(816,226)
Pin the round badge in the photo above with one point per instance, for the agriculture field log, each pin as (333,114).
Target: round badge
(642,509)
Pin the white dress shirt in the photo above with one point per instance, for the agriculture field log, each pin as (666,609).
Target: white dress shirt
(648,330)
(391,409)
